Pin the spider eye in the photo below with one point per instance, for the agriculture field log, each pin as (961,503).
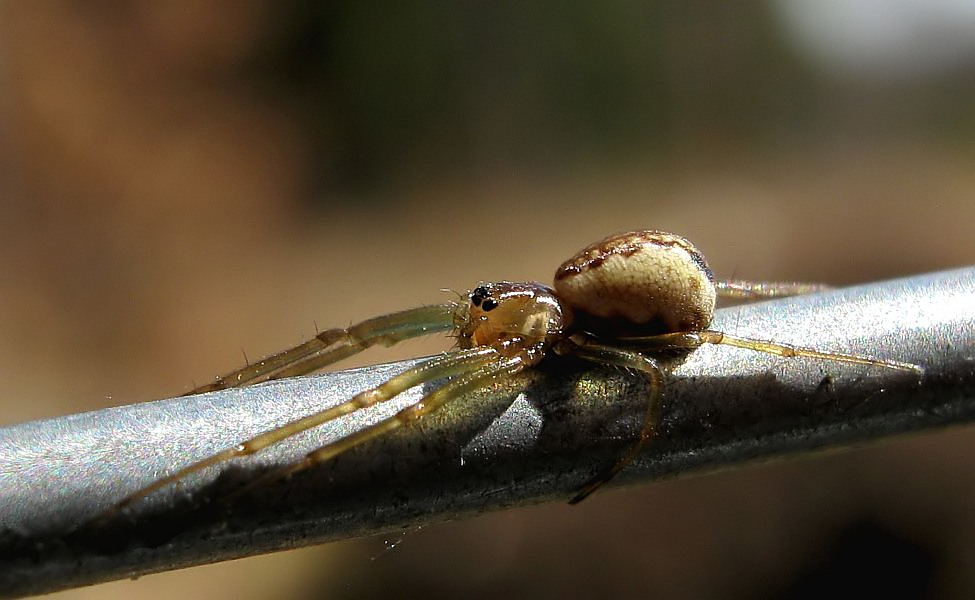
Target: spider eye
(489,304)
(478,295)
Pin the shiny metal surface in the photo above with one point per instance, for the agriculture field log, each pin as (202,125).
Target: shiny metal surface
(536,438)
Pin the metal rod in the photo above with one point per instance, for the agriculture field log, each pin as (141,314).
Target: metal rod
(532,439)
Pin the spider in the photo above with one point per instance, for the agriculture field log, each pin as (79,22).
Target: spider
(615,302)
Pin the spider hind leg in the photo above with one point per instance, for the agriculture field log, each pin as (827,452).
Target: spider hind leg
(628,359)
(694,339)
(751,291)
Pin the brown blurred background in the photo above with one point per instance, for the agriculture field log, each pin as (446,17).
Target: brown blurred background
(181,181)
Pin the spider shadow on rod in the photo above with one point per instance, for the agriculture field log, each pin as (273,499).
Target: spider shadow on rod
(497,434)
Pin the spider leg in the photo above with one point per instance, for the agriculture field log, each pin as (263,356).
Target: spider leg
(760,290)
(694,339)
(629,359)
(442,366)
(477,376)
(333,345)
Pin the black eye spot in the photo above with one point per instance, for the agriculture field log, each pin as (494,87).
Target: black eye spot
(489,304)
(478,295)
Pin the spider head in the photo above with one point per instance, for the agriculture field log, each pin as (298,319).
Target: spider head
(512,317)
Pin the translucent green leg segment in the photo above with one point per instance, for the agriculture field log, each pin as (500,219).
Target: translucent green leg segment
(334,345)
(630,359)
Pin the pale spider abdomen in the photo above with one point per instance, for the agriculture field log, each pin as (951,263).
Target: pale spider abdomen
(638,283)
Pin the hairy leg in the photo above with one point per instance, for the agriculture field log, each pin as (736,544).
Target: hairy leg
(334,345)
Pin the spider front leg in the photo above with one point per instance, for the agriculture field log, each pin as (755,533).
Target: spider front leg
(477,360)
(334,345)
(489,368)
(629,359)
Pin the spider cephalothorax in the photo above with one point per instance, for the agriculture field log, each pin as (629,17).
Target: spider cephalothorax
(513,317)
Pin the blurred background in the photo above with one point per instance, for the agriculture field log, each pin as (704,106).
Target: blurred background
(184,182)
